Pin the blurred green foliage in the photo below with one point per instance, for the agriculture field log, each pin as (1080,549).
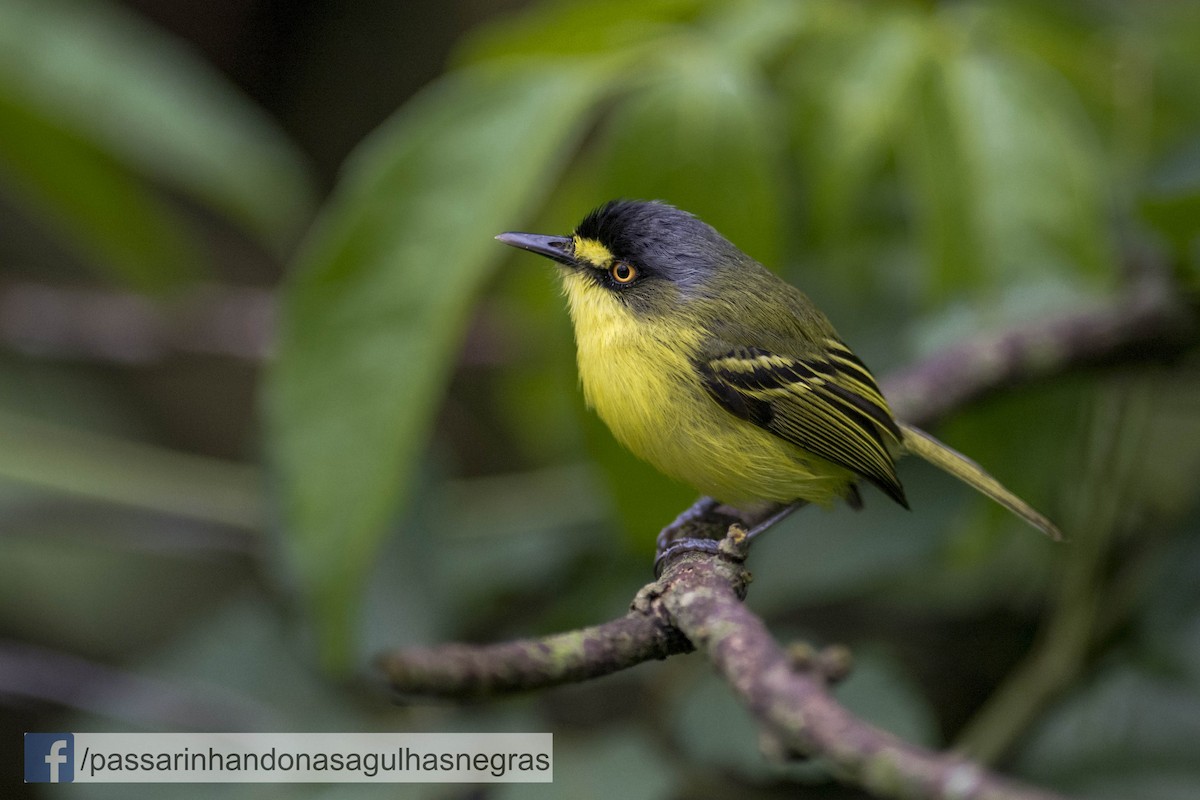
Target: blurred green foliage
(99,109)
(461,158)
(428,472)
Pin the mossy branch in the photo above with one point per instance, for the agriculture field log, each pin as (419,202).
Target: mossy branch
(465,671)
(698,601)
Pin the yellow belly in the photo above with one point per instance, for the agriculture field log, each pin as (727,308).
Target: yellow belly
(638,376)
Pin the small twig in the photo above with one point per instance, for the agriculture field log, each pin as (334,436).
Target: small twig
(462,671)
(1149,322)
(109,326)
(127,328)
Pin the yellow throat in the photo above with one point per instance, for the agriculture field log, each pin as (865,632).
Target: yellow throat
(635,368)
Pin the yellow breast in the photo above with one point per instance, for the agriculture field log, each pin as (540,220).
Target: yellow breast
(637,373)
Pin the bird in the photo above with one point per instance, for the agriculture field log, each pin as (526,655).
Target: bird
(723,376)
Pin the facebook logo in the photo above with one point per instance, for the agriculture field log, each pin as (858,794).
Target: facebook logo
(49,757)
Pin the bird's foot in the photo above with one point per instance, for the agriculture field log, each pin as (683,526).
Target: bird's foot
(678,546)
(698,529)
(703,527)
(687,523)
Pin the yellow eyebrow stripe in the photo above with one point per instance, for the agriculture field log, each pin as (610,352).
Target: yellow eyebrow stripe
(592,252)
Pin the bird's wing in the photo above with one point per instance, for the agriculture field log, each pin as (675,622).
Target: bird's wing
(827,404)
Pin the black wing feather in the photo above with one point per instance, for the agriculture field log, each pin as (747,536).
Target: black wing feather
(828,406)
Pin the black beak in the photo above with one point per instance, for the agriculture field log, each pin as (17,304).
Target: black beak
(556,248)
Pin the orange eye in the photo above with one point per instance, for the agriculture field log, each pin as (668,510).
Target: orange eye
(622,272)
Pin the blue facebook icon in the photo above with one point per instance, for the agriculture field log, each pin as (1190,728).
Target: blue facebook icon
(49,758)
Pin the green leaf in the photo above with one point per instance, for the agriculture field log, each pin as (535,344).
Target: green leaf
(1009,181)
(77,575)
(578,28)
(131,92)
(139,475)
(1088,47)
(376,306)
(92,202)
(705,135)
(850,125)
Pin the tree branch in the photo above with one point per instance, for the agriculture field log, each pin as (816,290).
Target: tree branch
(700,595)
(1149,321)
(128,328)
(463,671)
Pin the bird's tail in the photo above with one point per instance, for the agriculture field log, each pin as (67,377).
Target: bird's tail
(920,443)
